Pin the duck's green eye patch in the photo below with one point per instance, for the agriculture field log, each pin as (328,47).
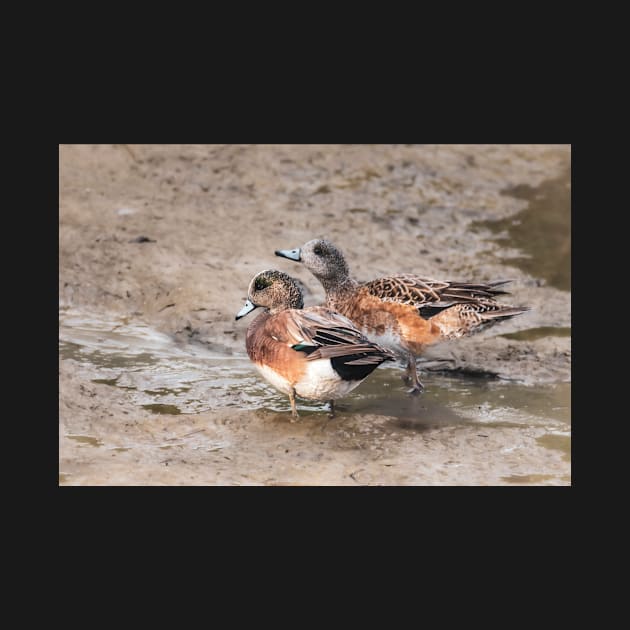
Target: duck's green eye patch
(261,283)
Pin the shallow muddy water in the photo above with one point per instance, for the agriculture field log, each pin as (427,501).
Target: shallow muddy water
(163,378)
(539,237)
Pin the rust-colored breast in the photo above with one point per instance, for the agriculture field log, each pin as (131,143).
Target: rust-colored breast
(267,343)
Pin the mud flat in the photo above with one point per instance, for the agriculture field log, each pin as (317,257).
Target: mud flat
(158,244)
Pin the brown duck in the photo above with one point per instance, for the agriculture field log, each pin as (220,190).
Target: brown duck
(311,352)
(405,313)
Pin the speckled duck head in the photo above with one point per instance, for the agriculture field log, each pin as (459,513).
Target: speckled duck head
(322,259)
(274,290)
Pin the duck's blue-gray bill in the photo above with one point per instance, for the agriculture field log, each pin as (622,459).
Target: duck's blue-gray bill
(291,254)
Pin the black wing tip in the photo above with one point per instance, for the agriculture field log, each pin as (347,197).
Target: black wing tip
(506,312)
(492,287)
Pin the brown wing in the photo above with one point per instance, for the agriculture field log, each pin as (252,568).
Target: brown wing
(432,296)
(324,334)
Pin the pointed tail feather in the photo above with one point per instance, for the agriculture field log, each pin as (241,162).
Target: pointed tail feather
(470,290)
(499,283)
(505,313)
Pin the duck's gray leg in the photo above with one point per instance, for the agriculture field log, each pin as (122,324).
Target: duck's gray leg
(294,413)
(412,374)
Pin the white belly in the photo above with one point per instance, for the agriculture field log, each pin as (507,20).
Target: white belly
(321,382)
(279,382)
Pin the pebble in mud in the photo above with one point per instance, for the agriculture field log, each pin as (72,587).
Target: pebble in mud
(142,239)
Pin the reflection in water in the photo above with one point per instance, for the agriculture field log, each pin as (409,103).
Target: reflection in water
(542,231)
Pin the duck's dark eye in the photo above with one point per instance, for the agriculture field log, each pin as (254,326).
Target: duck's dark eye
(260,284)
(317,250)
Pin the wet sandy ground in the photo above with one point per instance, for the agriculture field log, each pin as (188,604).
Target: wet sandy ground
(192,411)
